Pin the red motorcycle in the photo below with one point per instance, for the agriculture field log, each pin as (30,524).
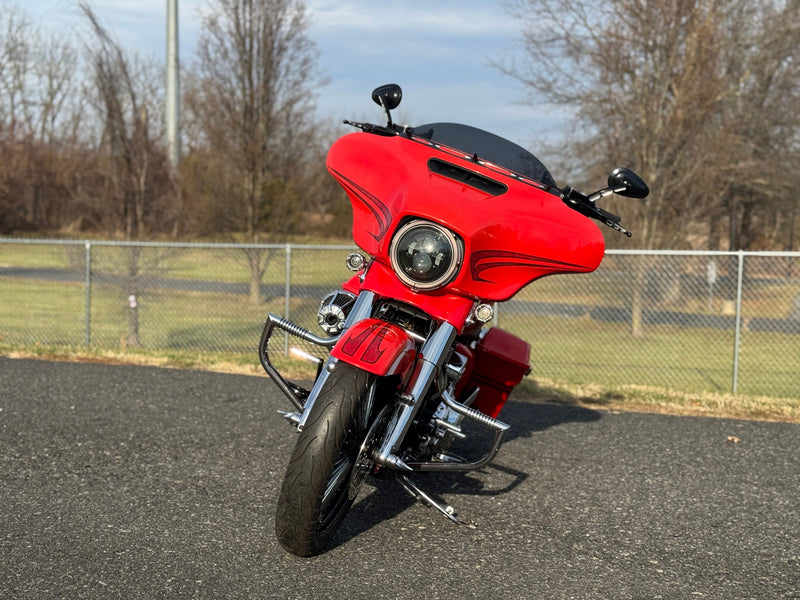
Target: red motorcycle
(453,219)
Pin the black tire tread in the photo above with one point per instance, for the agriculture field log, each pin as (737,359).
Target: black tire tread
(318,447)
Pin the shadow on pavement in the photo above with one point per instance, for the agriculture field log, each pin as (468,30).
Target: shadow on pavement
(388,498)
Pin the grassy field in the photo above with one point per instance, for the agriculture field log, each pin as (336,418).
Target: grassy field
(605,397)
(579,351)
(574,359)
(204,263)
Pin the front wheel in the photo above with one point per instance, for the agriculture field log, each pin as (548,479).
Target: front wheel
(319,486)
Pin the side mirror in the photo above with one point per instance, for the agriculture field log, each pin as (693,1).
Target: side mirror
(625,182)
(388,96)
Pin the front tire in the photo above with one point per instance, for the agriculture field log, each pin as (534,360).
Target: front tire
(316,492)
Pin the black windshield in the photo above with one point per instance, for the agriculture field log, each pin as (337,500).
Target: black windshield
(487,146)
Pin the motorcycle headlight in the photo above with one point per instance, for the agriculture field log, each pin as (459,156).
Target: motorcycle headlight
(424,255)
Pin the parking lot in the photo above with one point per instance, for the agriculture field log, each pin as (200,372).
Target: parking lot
(140,482)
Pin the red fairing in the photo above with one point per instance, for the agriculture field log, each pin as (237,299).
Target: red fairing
(510,239)
(377,347)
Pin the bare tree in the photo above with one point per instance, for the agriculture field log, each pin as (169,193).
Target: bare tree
(13,50)
(253,98)
(136,189)
(763,116)
(15,65)
(658,85)
(126,99)
(37,86)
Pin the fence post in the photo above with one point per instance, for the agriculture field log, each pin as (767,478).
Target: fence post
(739,280)
(88,283)
(287,293)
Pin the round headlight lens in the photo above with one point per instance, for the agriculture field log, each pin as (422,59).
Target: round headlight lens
(424,255)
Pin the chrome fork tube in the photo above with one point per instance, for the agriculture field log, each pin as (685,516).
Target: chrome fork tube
(362,309)
(434,355)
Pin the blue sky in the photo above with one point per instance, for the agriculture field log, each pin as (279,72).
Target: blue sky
(438,51)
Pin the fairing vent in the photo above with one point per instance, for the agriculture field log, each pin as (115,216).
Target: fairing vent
(465,176)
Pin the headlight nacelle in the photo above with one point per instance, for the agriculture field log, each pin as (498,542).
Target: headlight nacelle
(425,256)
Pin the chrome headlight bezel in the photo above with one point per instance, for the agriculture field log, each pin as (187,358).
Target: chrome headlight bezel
(405,272)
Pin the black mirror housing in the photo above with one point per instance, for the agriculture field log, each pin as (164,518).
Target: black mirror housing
(627,183)
(387,96)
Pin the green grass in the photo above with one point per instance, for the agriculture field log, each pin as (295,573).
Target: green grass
(200,264)
(569,355)
(38,256)
(635,398)
(574,351)
(42,312)
(604,397)
(582,351)
(223,362)
(54,313)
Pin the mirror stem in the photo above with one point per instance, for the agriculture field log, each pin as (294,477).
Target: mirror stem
(388,113)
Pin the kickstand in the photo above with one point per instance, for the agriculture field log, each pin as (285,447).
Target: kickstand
(447,511)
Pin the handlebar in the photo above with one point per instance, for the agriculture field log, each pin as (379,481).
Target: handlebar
(388,130)
(586,206)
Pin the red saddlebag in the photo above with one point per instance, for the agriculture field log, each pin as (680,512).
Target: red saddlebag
(501,361)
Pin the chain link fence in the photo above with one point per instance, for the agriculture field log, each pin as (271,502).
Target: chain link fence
(689,321)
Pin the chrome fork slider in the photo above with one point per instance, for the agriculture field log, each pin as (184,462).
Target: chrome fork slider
(434,353)
(301,398)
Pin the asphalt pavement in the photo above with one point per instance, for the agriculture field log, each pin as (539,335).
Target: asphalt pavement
(140,482)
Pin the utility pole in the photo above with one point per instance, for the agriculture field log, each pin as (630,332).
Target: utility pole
(173,86)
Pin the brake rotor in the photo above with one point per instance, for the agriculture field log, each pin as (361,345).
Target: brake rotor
(365,460)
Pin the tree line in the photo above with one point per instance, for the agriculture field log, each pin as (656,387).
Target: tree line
(82,134)
(699,96)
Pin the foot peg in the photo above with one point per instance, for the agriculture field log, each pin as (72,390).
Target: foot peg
(417,493)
